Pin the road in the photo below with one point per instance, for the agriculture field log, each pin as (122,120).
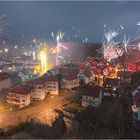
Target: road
(14,117)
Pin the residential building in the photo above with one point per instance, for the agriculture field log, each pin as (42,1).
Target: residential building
(125,75)
(52,85)
(69,82)
(92,96)
(39,91)
(20,95)
(86,77)
(111,87)
(5,81)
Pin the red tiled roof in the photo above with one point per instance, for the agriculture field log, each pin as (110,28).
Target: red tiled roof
(70,77)
(92,91)
(21,89)
(39,81)
(47,78)
(51,79)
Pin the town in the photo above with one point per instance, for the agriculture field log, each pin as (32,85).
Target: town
(61,84)
(91,82)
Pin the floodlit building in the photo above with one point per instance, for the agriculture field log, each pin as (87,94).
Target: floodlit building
(86,76)
(92,96)
(5,81)
(52,85)
(111,87)
(39,91)
(69,82)
(125,75)
(20,95)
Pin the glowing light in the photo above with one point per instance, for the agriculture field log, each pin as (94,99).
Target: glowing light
(44,61)
(134,108)
(34,40)
(25,53)
(44,51)
(138,23)
(34,55)
(122,27)
(104,25)
(6,50)
(16,46)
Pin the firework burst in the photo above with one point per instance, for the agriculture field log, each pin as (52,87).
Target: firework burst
(59,46)
(110,48)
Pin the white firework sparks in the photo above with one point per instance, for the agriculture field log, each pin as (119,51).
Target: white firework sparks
(138,23)
(110,48)
(126,43)
(59,37)
(122,27)
(110,35)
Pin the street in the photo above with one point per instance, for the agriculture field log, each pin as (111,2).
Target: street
(14,117)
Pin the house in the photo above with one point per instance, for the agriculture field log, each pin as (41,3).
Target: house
(136,106)
(9,68)
(111,87)
(39,91)
(52,85)
(92,96)
(125,75)
(20,95)
(85,77)
(43,85)
(5,81)
(69,82)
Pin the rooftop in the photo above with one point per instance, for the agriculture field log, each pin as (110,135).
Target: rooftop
(92,91)
(21,89)
(126,74)
(111,81)
(69,77)
(47,78)
(39,81)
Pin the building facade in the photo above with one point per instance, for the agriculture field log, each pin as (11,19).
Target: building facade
(92,96)
(52,85)
(20,95)
(69,82)
(39,91)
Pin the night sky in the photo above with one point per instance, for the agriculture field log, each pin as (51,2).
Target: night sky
(38,19)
